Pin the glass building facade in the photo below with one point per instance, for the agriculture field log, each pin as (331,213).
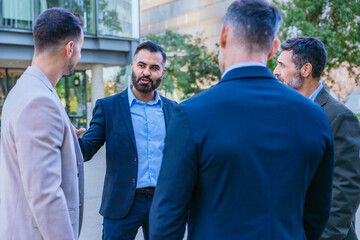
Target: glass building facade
(118,18)
(111,29)
(71,90)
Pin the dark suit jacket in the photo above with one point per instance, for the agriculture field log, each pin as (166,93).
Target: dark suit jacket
(250,159)
(346,190)
(112,124)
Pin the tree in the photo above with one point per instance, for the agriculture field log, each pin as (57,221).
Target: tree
(190,67)
(335,22)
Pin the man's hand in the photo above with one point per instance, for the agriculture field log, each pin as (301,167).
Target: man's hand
(79,132)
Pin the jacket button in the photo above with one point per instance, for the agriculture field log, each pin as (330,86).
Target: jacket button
(134,180)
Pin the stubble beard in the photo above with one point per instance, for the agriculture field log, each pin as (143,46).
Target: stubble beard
(296,81)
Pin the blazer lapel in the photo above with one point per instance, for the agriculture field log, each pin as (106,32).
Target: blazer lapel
(166,112)
(322,97)
(125,109)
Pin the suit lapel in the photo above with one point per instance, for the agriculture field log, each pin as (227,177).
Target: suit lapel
(125,109)
(166,111)
(322,97)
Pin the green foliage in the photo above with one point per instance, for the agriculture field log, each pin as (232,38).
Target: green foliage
(335,22)
(190,67)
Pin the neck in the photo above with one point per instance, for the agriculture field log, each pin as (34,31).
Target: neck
(50,66)
(238,55)
(309,86)
(144,97)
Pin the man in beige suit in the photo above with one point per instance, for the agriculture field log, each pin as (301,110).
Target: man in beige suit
(40,156)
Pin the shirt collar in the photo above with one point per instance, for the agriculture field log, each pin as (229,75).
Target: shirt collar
(242,64)
(133,99)
(314,95)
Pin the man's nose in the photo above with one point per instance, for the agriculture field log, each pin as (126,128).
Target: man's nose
(146,72)
(276,71)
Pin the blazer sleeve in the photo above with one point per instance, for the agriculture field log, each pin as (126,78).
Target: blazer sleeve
(318,197)
(346,190)
(177,178)
(39,134)
(94,137)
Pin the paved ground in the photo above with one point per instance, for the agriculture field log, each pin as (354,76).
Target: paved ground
(94,179)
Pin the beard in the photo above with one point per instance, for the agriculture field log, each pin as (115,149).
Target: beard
(145,88)
(71,68)
(295,82)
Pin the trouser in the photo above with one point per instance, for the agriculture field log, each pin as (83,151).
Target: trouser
(127,227)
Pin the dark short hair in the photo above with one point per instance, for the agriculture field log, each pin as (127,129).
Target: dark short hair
(255,23)
(152,47)
(55,25)
(307,50)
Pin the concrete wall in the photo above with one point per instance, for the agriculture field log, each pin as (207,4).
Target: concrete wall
(184,16)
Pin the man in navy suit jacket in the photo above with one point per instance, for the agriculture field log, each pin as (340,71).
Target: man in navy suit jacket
(253,158)
(133,125)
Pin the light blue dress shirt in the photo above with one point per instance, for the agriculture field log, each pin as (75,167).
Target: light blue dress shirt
(314,95)
(149,128)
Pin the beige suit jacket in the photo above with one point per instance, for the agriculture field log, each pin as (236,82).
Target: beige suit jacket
(39,165)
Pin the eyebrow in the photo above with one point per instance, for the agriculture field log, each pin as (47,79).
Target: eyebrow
(280,62)
(154,65)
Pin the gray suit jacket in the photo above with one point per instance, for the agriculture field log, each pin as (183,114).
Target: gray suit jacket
(346,186)
(40,163)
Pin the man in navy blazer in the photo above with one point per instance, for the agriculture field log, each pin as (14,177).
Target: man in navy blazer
(133,125)
(253,158)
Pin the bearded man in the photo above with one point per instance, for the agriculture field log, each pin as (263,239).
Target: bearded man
(133,124)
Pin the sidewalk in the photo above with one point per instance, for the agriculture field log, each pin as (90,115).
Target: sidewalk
(94,180)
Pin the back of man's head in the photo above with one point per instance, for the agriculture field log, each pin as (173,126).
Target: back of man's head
(307,50)
(55,26)
(254,24)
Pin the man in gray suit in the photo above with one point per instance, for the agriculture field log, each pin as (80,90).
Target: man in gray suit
(300,65)
(40,155)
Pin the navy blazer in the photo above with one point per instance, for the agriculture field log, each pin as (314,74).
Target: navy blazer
(111,123)
(250,159)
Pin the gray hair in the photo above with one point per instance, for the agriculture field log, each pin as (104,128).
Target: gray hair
(254,23)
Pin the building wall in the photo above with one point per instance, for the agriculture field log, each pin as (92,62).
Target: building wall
(184,16)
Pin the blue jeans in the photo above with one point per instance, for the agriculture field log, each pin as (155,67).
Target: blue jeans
(127,227)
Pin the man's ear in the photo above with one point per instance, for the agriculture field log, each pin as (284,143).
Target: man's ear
(69,49)
(223,36)
(306,70)
(274,48)
(163,73)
